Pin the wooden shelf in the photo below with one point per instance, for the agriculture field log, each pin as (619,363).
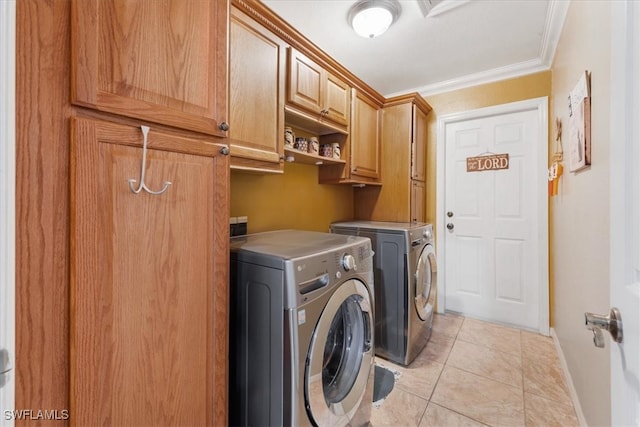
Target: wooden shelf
(311,159)
(300,119)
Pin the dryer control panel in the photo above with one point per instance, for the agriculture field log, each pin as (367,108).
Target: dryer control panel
(323,271)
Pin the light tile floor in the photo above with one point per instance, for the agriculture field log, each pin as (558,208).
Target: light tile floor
(474,373)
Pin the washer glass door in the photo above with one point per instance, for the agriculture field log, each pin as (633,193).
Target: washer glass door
(425,281)
(340,356)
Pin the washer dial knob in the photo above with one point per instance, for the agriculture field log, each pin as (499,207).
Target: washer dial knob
(427,234)
(348,262)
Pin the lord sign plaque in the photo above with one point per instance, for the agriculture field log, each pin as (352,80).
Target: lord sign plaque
(488,163)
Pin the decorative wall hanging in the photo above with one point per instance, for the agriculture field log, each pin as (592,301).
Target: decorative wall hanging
(555,170)
(580,124)
(488,162)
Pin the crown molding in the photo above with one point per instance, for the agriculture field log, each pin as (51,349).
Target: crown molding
(489,76)
(556,14)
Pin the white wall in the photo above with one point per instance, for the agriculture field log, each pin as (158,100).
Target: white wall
(580,214)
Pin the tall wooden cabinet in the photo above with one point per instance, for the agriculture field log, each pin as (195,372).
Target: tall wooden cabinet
(152,60)
(402,195)
(148,272)
(257,60)
(149,301)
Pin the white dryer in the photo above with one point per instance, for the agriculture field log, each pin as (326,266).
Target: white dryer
(301,330)
(405,275)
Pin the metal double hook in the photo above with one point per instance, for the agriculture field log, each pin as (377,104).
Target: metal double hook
(143,186)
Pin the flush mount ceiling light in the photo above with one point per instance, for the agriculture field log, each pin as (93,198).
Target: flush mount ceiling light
(370,18)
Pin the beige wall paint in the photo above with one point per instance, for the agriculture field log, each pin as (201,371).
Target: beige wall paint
(290,200)
(580,214)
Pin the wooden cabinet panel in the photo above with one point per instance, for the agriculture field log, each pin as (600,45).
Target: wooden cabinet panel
(337,100)
(316,91)
(149,279)
(365,138)
(160,60)
(418,200)
(419,145)
(305,82)
(257,60)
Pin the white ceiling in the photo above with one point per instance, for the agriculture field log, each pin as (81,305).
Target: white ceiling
(460,43)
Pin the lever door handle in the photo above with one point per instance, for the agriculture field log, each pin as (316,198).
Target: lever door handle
(598,323)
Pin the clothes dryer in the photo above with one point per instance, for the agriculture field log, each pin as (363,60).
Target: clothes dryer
(405,284)
(301,329)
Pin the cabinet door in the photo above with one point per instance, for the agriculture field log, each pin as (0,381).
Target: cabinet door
(337,103)
(418,200)
(149,279)
(306,82)
(419,145)
(157,60)
(365,138)
(256,102)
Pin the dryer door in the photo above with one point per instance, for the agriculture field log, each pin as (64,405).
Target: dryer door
(340,356)
(425,282)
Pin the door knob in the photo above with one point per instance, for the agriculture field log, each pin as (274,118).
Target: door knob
(598,323)
(450,226)
(449,214)
(224,126)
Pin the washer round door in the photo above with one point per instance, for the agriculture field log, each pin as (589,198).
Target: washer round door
(425,281)
(340,356)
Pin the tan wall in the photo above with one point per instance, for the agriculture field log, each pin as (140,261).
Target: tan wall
(580,214)
(291,200)
(503,92)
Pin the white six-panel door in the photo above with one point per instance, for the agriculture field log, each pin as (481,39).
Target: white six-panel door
(491,220)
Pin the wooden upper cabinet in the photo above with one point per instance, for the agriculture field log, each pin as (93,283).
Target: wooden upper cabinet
(403,156)
(257,61)
(164,61)
(419,145)
(149,278)
(365,137)
(315,90)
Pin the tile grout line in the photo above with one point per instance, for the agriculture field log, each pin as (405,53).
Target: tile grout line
(524,402)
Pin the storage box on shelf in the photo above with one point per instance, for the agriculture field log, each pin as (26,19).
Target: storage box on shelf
(304,155)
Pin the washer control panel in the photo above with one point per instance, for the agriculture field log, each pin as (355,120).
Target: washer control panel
(313,275)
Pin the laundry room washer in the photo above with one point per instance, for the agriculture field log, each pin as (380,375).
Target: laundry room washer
(301,329)
(405,274)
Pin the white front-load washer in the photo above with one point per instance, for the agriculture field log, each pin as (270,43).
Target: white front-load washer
(405,284)
(301,330)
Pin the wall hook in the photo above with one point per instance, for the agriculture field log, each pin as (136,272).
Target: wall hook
(143,186)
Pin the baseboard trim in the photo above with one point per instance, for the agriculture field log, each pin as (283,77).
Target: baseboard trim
(567,378)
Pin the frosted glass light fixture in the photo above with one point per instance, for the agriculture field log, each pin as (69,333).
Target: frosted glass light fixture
(370,18)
